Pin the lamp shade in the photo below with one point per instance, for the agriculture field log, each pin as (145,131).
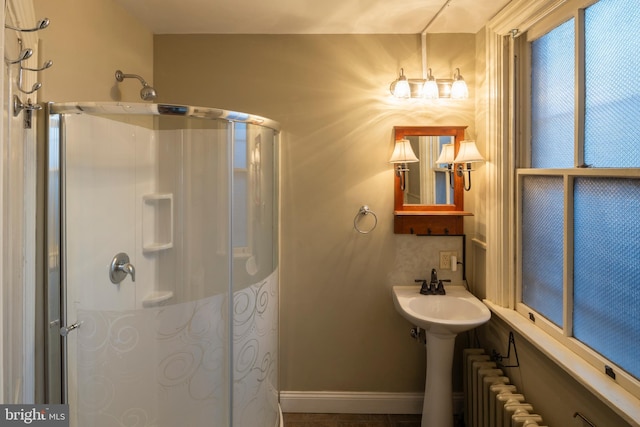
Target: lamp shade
(403,153)
(446,155)
(468,153)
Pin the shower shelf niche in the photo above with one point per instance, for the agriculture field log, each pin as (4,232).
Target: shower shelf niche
(157,299)
(157,222)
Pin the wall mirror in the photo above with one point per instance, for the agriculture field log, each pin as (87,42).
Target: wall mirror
(429,198)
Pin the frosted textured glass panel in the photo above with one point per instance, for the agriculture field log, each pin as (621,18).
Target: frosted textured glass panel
(552,103)
(542,247)
(612,94)
(607,267)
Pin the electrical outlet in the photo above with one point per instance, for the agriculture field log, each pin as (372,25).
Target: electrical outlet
(445,259)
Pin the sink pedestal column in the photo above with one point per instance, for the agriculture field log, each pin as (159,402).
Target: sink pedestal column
(437,409)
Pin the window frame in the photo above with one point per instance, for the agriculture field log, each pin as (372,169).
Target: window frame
(501,37)
(520,108)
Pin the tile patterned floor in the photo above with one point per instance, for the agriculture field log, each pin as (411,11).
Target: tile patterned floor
(350,420)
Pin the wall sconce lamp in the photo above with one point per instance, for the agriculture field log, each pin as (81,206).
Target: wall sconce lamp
(430,87)
(467,154)
(402,154)
(446,157)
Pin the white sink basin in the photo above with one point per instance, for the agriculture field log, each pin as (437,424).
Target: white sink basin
(442,317)
(455,312)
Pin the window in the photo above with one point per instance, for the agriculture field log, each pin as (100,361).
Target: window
(578,186)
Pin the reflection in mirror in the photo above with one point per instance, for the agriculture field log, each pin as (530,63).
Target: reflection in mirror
(432,199)
(428,182)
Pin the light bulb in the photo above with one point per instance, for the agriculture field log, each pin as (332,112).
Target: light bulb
(459,89)
(400,88)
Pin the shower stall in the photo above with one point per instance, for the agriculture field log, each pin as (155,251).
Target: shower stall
(161,244)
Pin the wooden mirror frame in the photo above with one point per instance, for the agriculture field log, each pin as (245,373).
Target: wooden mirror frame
(429,219)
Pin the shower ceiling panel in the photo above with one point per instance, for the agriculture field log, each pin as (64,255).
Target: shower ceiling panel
(311,16)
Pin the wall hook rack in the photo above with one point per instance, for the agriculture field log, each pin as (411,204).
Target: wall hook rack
(25,54)
(498,358)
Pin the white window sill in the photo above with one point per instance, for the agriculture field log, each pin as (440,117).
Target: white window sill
(620,400)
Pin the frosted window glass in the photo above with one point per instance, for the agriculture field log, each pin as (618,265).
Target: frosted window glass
(612,92)
(552,103)
(542,245)
(607,267)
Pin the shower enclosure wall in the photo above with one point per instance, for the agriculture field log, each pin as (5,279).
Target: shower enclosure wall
(188,334)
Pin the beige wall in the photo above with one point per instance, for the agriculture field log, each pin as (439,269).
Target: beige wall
(339,330)
(87,42)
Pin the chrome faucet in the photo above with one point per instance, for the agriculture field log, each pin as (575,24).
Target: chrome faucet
(129,269)
(120,267)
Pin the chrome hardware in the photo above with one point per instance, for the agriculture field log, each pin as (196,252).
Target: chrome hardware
(24,54)
(147,93)
(120,267)
(64,331)
(35,87)
(18,106)
(28,108)
(362,212)
(40,25)
(46,65)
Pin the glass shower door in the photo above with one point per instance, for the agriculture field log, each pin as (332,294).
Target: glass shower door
(153,348)
(164,267)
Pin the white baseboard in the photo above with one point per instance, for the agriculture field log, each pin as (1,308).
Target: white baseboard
(326,402)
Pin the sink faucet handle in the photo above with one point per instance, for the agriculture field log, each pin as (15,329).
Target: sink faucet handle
(424,289)
(440,289)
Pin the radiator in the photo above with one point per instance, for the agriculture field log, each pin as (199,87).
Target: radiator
(490,399)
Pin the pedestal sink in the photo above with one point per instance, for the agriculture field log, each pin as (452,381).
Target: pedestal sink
(442,317)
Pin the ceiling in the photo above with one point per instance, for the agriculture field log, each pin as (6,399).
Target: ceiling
(313,16)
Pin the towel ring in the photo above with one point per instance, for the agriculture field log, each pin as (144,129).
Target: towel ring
(364,211)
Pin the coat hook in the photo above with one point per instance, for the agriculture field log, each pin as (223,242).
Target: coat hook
(46,65)
(40,25)
(24,54)
(35,87)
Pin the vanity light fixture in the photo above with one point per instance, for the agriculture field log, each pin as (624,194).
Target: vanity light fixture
(467,154)
(402,154)
(400,88)
(459,89)
(430,87)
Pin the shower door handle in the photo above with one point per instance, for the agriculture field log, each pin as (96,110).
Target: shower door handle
(64,331)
